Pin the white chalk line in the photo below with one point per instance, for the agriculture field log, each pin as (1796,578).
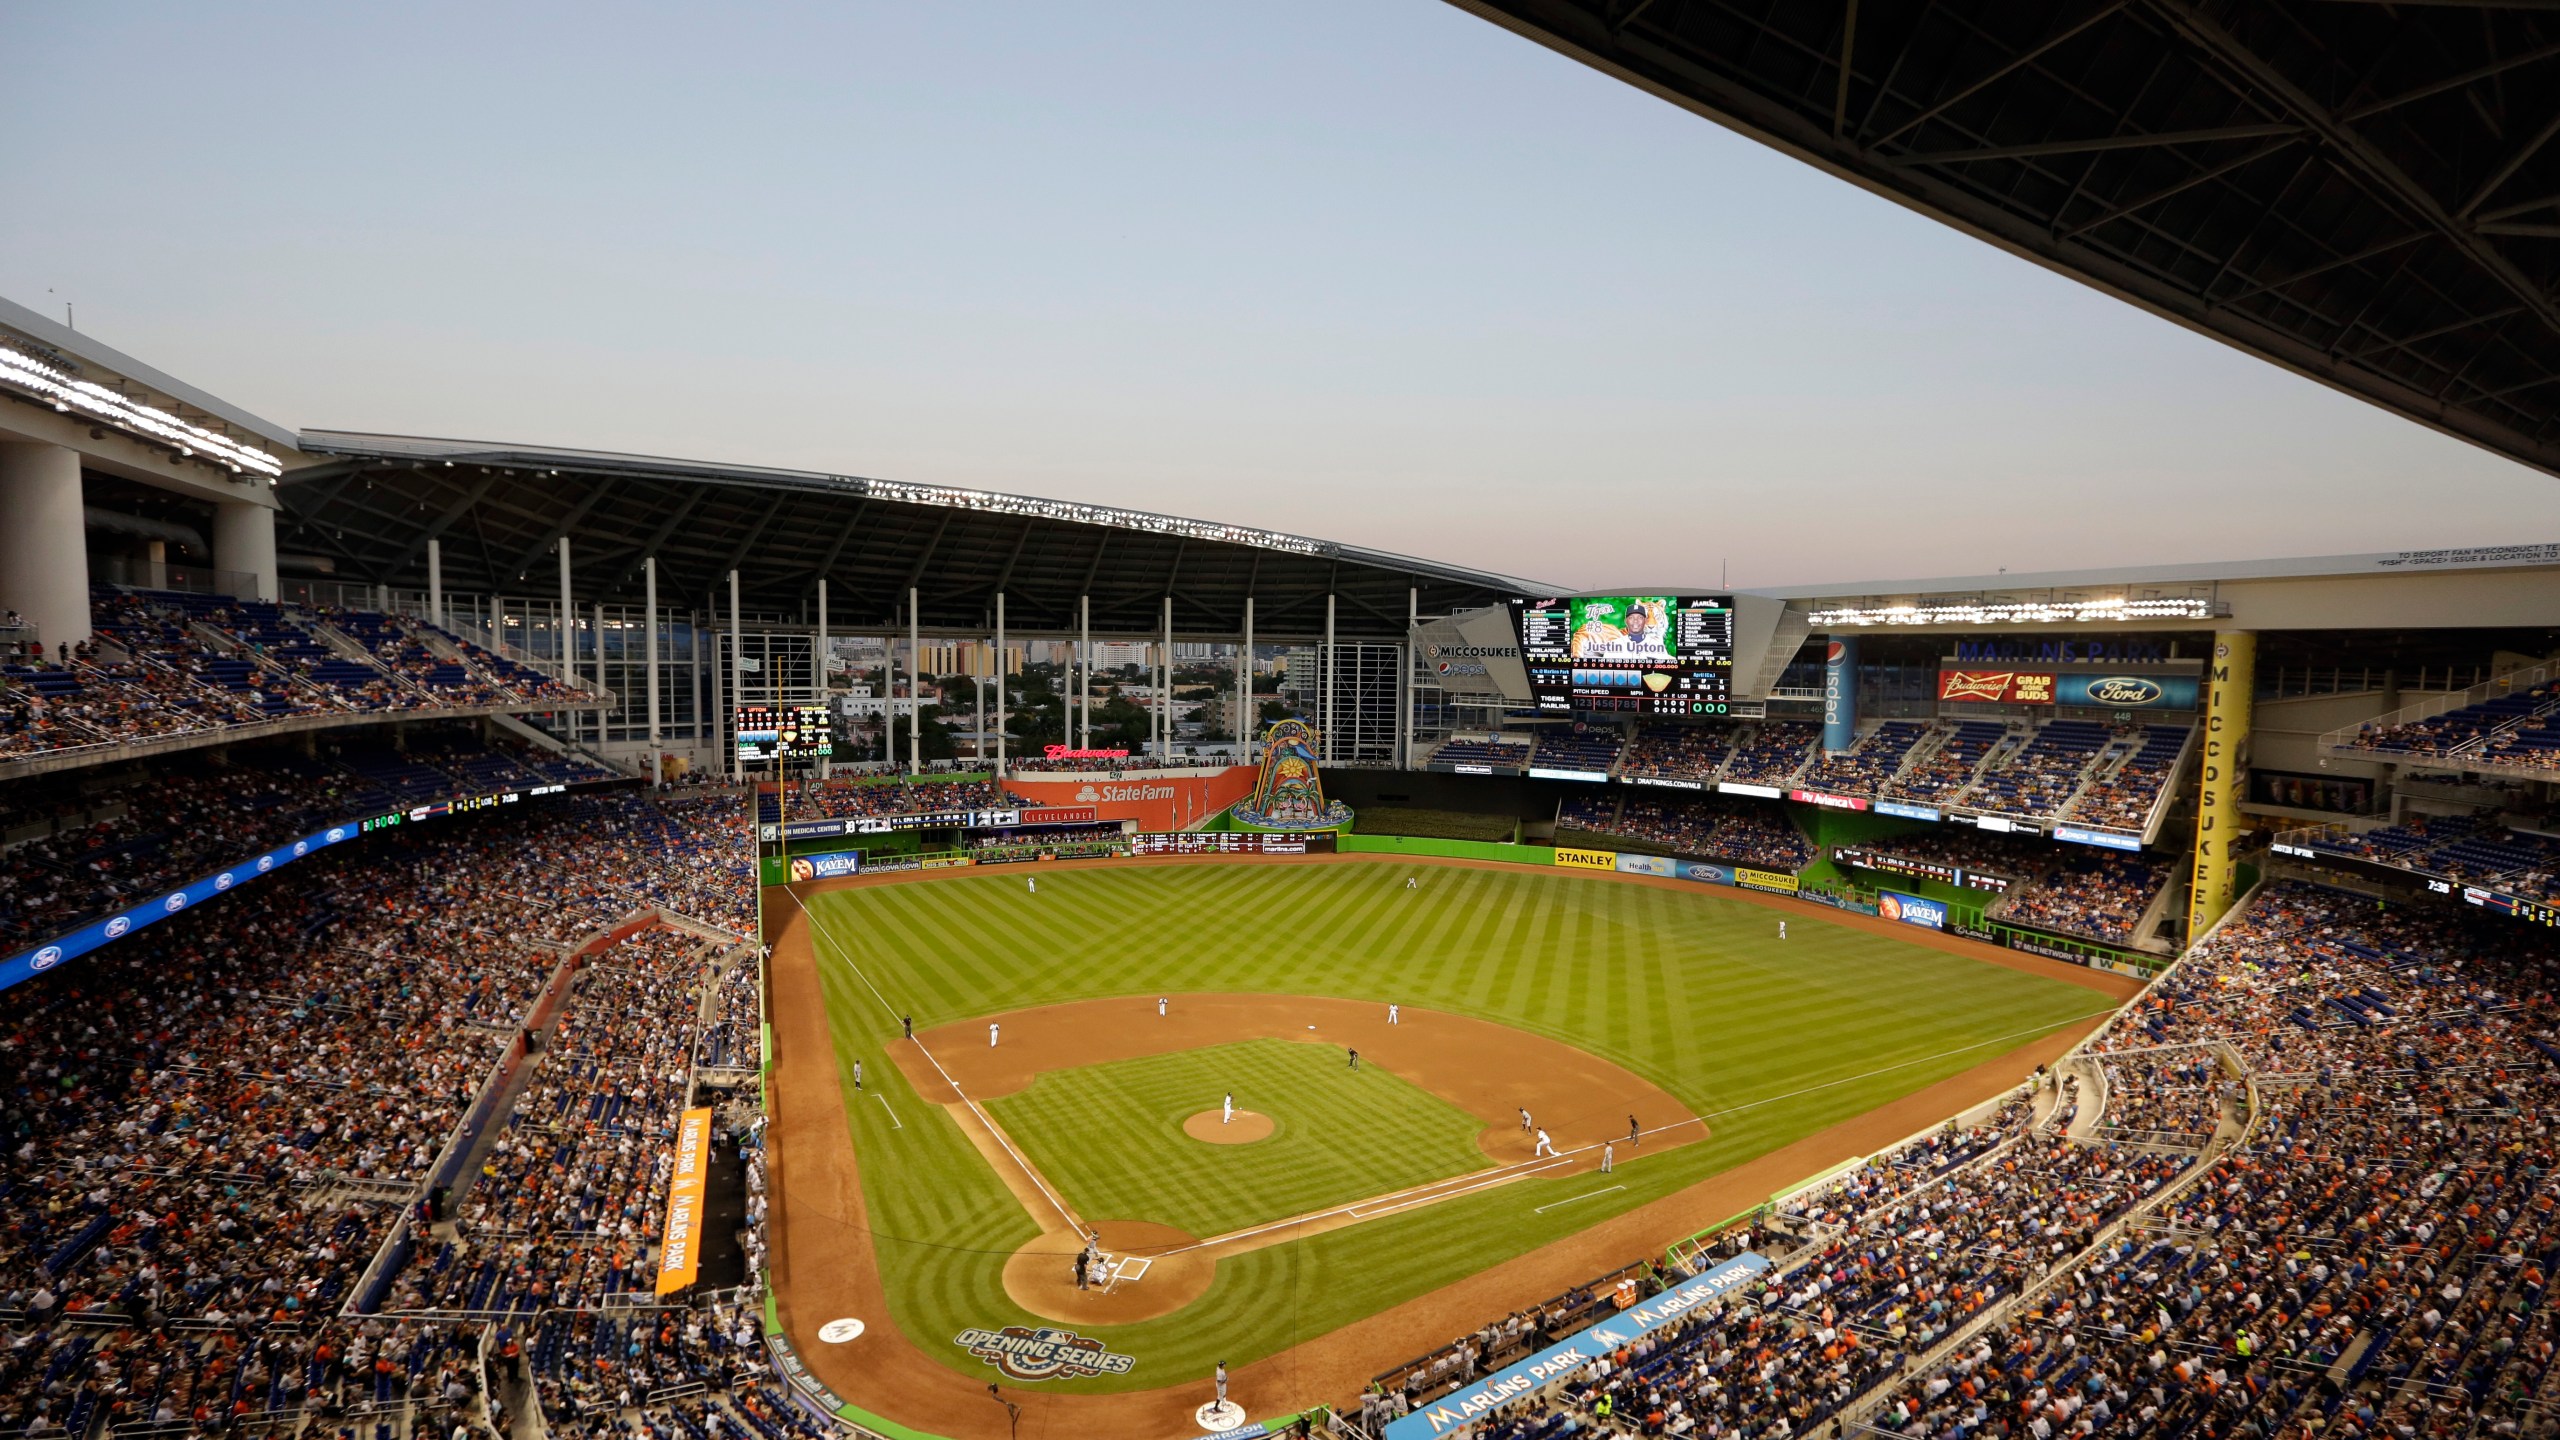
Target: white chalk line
(1543,1209)
(893,1114)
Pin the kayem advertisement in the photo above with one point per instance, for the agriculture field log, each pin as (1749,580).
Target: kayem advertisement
(1157,803)
(1911,909)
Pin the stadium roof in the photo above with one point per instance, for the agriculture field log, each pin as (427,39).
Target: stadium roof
(501,509)
(2183,576)
(2364,193)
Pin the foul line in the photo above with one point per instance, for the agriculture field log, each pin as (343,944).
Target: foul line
(1056,1201)
(893,1114)
(1543,1209)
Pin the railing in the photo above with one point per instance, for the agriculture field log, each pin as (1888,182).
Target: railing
(2523,679)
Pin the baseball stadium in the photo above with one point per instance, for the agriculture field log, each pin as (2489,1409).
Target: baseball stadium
(504,940)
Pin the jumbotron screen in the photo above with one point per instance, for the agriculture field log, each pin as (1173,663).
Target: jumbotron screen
(1633,654)
(789,731)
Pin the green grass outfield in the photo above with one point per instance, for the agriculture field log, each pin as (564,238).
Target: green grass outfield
(1110,1136)
(1692,989)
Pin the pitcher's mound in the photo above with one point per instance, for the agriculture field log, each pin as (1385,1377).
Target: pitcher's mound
(1246,1128)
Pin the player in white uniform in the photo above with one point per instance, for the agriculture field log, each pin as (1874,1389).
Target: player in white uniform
(1393,1014)
(1411,883)
(1608,1157)
(1033,881)
(1230,1112)
(1545,1146)
(1159,1007)
(991,1034)
(1782,929)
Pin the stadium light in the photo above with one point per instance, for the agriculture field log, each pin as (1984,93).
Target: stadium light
(2020,612)
(65,393)
(950,497)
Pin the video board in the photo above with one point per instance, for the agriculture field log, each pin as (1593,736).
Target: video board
(1628,654)
(791,732)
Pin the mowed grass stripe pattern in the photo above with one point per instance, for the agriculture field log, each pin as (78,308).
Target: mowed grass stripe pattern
(1770,1040)
(1110,1136)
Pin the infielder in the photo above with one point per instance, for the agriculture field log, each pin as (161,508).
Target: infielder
(1355,1062)
(1393,1014)
(1608,1157)
(1634,1135)
(1230,1113)
(1222,1385)
(1545,1146)
(991,1034)
(1525,1126)
(1159,1007)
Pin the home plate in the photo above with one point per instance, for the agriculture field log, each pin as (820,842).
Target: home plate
(1218,1417)
(837,1332)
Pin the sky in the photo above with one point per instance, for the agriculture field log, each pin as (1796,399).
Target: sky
(1370,270)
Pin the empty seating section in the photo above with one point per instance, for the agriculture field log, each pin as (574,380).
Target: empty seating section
(2512,729)
(1591,751)
(164,662)
(1865,767)
(1773,754)
(1500,752)
(2041,775)
(1936,777)
(1678,752)
(2123,798)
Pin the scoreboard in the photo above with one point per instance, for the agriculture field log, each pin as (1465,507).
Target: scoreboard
(786,732)
(1628,654)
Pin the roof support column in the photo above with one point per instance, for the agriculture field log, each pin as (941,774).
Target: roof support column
(1084,669)
(737,643)
(435,584)
(565,630)
(1245,717)
(622,702)
(1324,684)
(44,545)
(244,541)
(1164,696)
(649,582)
(1004,706)
(1404,679)
(818,678)
(915,688)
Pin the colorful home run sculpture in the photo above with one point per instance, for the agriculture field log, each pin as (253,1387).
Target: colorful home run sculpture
(1289,794)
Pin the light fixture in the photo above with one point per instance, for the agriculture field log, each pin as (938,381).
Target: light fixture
(66,393)
(2020,612)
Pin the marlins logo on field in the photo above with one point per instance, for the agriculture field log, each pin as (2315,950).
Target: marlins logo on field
(1021,1353)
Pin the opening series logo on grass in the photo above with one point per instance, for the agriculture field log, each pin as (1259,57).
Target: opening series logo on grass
(1021,1353)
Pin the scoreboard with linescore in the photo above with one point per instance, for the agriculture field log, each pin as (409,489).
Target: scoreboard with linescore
(788,732)
(1628,654)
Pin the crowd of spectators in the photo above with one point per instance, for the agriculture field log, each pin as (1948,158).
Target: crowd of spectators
(1710,826)
(1940,775)
(161,663)
(1864,768)
(1774,754)
(2102,894)
(2124,797)
(2179,1091)
(2041,776)
(94,841)
(879,799)
(2511,729)
(1677,752)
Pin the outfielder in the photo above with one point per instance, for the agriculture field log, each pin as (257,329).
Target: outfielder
(1782,929)
(857,1074)
(1033,881)
(1608,1157)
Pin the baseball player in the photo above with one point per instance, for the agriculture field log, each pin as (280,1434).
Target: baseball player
(1394,1014)
(1230,1112)
(1410,883)
(1222,1385)
(857,1074)
(1033,881)
(991,1034)
(1545,1146)
(1782,929)
(1635,1136)
(1608,1157)
(1355,1062)
(1159,1007)
(909,1021)
(1525,1126)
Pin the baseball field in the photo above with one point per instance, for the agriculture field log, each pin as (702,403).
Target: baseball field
(1669,1023)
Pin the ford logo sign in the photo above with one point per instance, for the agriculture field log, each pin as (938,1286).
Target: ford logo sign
(2124,690)
(337,833)
(222,881)
(266,863)
(118,926)
(301,847)
(46,958)
(175,903)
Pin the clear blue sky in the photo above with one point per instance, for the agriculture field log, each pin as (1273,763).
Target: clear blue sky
(1367,269)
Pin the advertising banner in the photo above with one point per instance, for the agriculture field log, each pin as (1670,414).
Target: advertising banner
(1839,694)
(680,1255)
(1767,880)
(826,867)
(1996,687)
(1060,815)
(1827,801)
(1468,1404)
(1666,782)
(1706,874)
(1911,909)
(1902,811)
(1157,803)
(1541,772)
(1662,865)
(2113,840)
(2130,692)
(1756,792)
(1587,859)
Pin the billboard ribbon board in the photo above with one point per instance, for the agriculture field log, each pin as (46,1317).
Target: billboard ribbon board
(680,1256)
(1770,881)
(1529,1374)
(1997,687)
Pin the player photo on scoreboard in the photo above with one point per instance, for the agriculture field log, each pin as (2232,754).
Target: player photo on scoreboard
(1624,629)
